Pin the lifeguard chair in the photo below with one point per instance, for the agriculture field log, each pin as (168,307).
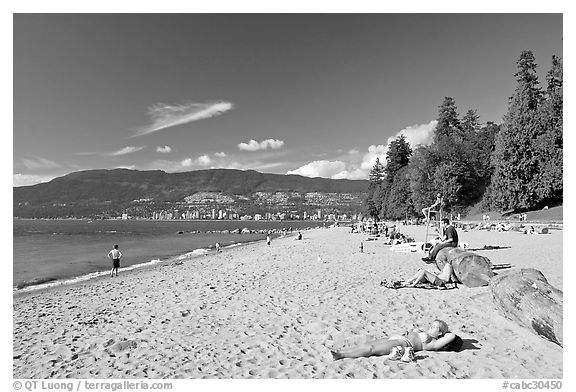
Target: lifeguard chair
(437,209)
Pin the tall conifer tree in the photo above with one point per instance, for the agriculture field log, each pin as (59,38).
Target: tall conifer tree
(515,155)
(550,141)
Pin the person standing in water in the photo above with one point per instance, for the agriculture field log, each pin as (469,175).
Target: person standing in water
(115,255)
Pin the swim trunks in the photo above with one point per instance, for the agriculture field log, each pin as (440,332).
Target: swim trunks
(116,263)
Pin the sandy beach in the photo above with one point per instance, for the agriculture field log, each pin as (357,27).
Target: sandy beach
(275,312)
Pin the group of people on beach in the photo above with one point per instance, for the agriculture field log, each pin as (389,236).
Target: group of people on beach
(397,347)
(438,337)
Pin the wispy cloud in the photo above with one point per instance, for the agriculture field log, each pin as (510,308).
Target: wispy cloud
(165,116)
(253,145)
(39,163)
(164,150)
(123,151)
(220,154)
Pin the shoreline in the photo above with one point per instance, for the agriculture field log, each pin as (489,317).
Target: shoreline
(276,312)
(185,257)
(31,271)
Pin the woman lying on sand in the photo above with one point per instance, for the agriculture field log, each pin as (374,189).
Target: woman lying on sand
(437,338)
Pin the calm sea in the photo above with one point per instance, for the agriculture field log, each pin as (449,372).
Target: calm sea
(48,252)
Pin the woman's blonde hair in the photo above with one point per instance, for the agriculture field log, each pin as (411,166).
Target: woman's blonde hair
(443,326)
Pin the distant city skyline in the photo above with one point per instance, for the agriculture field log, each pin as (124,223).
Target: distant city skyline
(311,94)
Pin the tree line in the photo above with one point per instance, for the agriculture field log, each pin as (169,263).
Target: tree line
(512,166)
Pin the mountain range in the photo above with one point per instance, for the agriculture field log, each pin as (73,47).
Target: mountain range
(110,190)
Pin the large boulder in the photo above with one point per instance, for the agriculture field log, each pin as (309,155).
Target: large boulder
(525,296)
(470,268)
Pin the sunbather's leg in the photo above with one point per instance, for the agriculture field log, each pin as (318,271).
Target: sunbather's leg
(426,276)
(375,347)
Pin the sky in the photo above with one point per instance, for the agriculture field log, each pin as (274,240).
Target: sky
(319,95)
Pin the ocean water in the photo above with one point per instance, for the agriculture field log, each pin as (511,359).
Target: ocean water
(48,252)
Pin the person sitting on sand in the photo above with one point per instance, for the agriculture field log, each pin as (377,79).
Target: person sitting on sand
(443,280)
(445,277)
(403,346)
(450,240)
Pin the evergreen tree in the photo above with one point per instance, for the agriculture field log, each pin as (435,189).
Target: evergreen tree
(397,156)
(453,140)
(383,199)
(480,159)
(376,177)
(447,181)
(399,200)
(470,124)
(377,173)
(550,142)
(515,157)
(448,134)
(420,173)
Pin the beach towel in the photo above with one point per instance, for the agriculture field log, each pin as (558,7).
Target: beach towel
(399,284)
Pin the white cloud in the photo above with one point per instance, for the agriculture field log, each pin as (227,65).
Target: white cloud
(39,163)
(353,174)
(165,116)
(326,169)
(416,135)
(19,179)
(186,162)
(253,145)
(369,159)
(352,168)
(204,160)
(124,151)
(164,150)
(220,154)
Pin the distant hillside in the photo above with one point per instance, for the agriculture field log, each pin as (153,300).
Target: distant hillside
(116,188)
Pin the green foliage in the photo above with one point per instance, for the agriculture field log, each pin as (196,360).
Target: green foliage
(528,149)
(397,157)
(373,202)
(376,174)
(420,173)
(399,201)
(514,165)
(550,142)
(447,181)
